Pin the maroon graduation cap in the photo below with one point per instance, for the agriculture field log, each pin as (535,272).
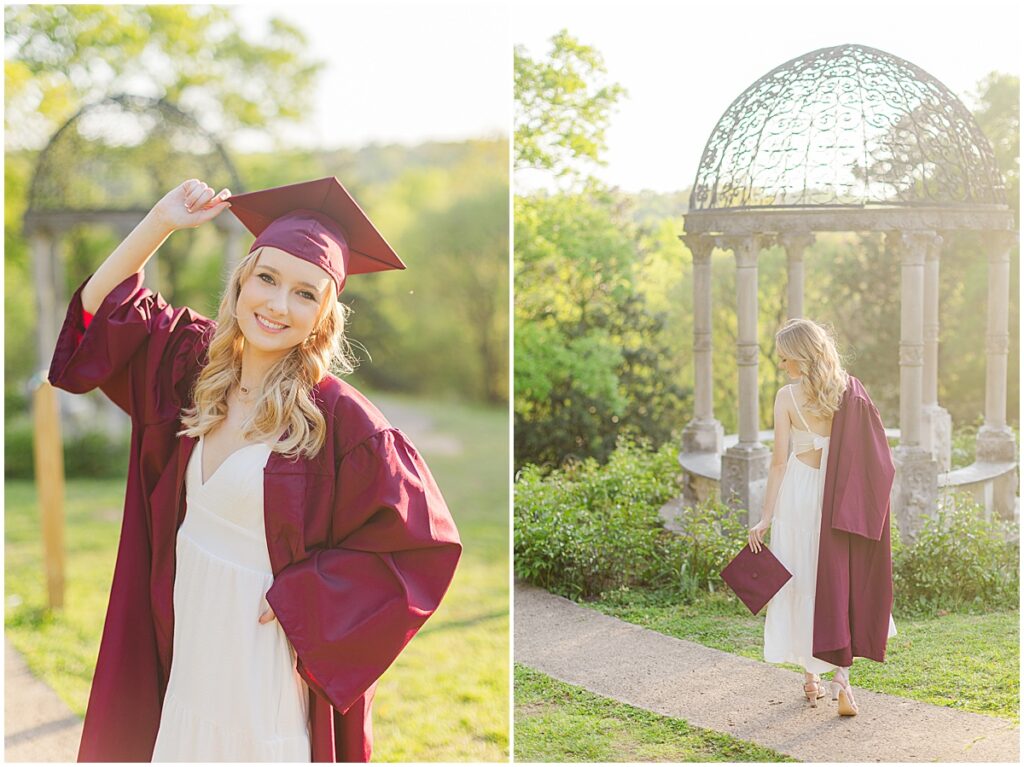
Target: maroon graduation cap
(755,578)
(317,221)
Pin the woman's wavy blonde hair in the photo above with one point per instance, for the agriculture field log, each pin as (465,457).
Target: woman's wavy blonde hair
(813,347)
(285,402)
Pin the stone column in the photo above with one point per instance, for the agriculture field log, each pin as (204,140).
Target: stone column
(915,488)
(995,439)
(44,246)
(936,424)
(703,434)
(51,308)
(745,465)
(795,243)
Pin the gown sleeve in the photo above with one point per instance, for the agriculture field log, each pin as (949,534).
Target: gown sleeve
(138,349)
(349,610)
(866,478)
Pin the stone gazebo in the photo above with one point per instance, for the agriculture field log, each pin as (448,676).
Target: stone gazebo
(851,139)
(107,166)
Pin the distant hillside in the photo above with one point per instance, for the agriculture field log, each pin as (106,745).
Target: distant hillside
(648,205)
(375,164)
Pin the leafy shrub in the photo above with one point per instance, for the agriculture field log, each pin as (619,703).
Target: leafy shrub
(958,561)
(589,529)
(91,454)
(712,534)
(586,528)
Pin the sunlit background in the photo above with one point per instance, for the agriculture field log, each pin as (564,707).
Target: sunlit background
(109,107)
(683,63)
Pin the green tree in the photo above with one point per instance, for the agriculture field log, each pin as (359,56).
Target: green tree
(440,326)
(60,57)
(465,259)
(997,110)
(593,358)
(562,107)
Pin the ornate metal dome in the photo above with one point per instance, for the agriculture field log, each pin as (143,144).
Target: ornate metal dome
(849,126)
(120,155)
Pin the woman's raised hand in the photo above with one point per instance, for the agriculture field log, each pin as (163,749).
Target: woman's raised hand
(190,204)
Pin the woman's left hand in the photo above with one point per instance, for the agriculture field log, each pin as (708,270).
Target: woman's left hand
(755,537)
(268,615)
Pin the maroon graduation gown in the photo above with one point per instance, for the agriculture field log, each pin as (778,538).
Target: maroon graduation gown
(853,598)
(361,542)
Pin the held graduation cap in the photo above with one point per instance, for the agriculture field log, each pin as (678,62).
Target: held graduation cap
(317,221)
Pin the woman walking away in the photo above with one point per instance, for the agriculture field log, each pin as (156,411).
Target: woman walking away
(825,415)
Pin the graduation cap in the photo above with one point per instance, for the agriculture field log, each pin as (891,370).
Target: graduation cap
(317,221)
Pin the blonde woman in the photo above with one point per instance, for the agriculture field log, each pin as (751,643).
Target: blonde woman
(281,541)
(805,410)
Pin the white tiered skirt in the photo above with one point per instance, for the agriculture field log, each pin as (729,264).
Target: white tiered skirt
(796,530)
(233,694)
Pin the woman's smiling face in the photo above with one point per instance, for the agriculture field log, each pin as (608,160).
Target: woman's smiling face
(280,303)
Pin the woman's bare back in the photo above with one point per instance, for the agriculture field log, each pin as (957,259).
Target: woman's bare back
(818,425)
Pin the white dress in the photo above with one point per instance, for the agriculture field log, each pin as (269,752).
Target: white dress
(796,529)
(233,694)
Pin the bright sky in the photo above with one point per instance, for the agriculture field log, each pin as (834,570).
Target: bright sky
(400,71)
(684,63)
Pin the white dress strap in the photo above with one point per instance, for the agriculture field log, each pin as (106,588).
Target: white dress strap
(802,420)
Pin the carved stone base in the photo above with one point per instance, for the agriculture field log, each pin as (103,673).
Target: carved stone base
(937,433)
(915,489)
(995,445)
(703,436)
(745,478)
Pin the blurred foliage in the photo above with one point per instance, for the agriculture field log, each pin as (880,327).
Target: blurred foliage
(439,327)
(959,561)
(60,57)
(601,276)
(996,107)
(563,106)
(92,454)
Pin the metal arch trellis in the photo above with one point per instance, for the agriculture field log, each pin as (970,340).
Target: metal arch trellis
(849,126)
(123,152)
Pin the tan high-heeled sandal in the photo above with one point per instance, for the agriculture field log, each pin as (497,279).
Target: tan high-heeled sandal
(813,690)
(843,693)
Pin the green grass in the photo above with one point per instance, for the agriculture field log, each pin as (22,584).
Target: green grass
(446,698)
(558,722)
(967,662)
